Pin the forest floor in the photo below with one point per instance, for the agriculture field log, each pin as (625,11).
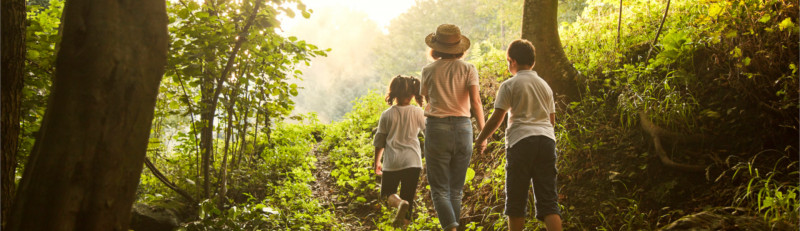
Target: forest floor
(351,216)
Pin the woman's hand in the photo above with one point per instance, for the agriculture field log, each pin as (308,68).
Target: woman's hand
(379,169)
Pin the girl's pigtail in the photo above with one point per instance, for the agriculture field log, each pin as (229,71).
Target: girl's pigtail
(416,86)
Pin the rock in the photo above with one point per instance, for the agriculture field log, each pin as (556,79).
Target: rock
(726,218)
(148,218)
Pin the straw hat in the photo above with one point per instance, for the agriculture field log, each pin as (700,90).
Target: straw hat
(447,39)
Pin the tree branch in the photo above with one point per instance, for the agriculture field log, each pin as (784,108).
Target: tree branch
(239,41)
(166,181)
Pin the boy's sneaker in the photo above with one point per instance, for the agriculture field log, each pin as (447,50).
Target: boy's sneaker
(400,216)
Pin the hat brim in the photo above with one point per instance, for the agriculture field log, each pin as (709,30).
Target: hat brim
(461,47)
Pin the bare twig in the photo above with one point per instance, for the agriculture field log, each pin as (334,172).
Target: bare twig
(658,32)
(619,23)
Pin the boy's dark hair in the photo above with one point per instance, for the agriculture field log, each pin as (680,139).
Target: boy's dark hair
(522,51)
(403,87)
(441,55)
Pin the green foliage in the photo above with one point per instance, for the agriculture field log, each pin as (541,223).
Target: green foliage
(41,40)
(720,68)
(349,143)
(275,193)
(774,199)
(708,74)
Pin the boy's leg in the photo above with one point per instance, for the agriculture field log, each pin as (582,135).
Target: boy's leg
(553,222)
(518,181)
(516,223)
(544,182)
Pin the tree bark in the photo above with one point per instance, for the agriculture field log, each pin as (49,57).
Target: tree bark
(540,26)
(13,57)
(206,131)
(85,165)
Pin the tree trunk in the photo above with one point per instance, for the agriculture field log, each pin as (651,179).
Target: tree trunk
(207,131)
(255,134)
(540,26)
(242,134)
(223,168)
(85,165)
(13,57)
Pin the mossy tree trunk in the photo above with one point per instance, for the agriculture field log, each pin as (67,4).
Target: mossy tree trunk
(85,165)
(13,61)
(540,26)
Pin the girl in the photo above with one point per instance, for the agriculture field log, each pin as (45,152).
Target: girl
(397,135)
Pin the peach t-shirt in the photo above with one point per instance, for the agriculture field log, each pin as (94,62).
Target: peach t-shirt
(446,82)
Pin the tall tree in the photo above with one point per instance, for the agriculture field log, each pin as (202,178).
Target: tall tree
(89,153)
(211,100)
(540,26)
(13,57)
(205,52)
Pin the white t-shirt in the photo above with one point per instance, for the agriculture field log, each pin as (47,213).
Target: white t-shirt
(447,82)
(397,133)
(529,102)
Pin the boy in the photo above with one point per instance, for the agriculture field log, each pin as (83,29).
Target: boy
(530,139)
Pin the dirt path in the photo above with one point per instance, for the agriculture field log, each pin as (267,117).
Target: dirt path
(352,216)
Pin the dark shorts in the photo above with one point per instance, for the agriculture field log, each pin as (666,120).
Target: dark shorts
(407,179)
(532,159)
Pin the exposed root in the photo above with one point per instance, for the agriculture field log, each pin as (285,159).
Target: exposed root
(658,133)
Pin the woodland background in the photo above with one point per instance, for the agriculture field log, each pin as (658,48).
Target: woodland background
(672,108)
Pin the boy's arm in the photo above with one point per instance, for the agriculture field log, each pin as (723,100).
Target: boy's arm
(492,124)
(553,119)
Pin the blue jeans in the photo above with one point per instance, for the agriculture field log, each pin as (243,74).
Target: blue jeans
(448,148)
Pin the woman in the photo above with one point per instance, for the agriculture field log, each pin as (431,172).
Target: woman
(450,86)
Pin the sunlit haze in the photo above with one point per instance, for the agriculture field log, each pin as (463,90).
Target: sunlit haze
(380,11)
(350,28)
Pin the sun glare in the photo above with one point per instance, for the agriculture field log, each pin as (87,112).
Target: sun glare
(380,11)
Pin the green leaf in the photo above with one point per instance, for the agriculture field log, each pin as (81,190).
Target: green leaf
(33,54)
(746,61)
(731,34)
(765,18)
(714,10)
(786,23)
(183,13)
(470,174)
(202,14)
(736,52)
(289,12)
